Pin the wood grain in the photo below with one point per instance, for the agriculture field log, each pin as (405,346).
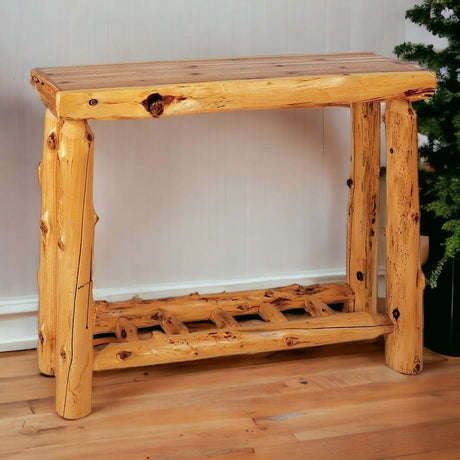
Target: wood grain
(159,89)
(333,399)
(345,327)
(405,280)
(197,307)
(363,206)
(169,323)
(316,307)
(125,330)
(138,74)
(76,220)
(269,312)
(48,247)
(222,319)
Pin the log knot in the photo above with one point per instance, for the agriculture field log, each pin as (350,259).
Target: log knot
(157,316)
(278,301)
(154,104)
(245,306)
(44,229)
(415,217)
(417,368)
(423,92)
(124,354)
(51,141)
(291,341)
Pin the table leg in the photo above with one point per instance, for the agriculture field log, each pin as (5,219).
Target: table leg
(48,247)
(405,280)
(363,206)
(75,312)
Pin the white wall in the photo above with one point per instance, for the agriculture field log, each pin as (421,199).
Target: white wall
(200,202)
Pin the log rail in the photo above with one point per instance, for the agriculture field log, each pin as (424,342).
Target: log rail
(236,323)
(196,307)
(164,348)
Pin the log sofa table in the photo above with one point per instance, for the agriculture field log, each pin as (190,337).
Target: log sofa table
(78,335)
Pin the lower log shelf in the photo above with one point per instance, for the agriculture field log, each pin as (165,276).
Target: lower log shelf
(146,332)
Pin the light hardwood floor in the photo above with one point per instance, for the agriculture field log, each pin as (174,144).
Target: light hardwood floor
(335,402)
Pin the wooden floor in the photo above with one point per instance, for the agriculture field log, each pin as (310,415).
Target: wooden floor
(325,403)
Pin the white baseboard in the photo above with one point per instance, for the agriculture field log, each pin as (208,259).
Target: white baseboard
(23,343)
(18,316)
(18,305)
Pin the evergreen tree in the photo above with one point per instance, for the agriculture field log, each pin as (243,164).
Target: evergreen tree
(439,121)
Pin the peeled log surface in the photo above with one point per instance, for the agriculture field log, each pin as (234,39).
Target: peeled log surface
(363,206)
(343,327)
(74,331)
(223,319)
(161,89)
(48,248)
(315,307)
(196,307)
(271,314)
(405,280)
(125,330)
(169,323)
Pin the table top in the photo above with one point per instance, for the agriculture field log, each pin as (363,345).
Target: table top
(163,88)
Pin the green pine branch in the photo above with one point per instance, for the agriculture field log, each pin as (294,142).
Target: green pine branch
(439,121)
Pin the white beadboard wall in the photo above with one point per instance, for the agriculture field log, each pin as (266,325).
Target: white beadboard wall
(203,202)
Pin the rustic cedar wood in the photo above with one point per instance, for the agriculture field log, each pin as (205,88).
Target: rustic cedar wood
(78,335)
(210,85)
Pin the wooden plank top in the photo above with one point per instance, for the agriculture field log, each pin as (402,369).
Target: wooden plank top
(204,85)
(138,74)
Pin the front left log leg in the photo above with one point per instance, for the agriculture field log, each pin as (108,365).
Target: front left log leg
(75,307)
(405,280)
